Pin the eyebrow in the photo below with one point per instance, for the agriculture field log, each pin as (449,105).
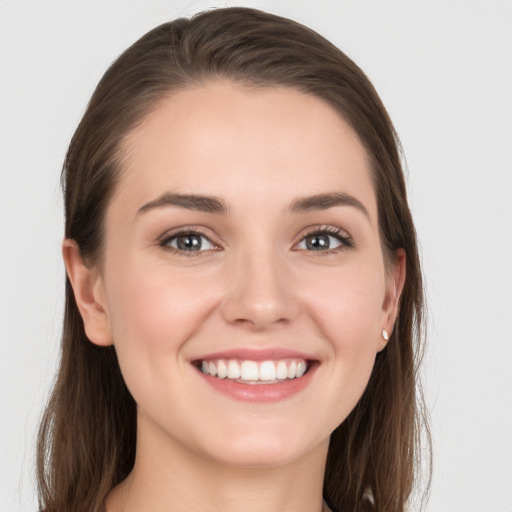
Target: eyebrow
(208,204)
(326,201)
(211,204)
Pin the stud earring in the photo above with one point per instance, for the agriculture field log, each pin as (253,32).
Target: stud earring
(385,334)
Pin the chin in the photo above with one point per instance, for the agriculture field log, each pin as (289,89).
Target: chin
(266,447)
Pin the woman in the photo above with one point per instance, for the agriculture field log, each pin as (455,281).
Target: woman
(243,300)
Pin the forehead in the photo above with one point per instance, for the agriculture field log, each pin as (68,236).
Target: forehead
(241,144)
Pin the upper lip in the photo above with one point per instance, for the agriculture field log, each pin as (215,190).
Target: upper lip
(253,354)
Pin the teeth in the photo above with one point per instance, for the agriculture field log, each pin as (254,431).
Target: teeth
(292,370)
(222,370)
(251,371)
(281,370)
(267,371)
(233,370)
(212,369)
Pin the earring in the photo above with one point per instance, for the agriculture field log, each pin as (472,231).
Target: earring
(385,334)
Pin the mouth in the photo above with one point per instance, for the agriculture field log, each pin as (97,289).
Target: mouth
(252,372)
(257,375)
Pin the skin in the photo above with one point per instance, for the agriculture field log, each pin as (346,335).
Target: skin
(256,285)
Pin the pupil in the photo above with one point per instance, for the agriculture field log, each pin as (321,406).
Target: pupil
(317,242)
(189,243)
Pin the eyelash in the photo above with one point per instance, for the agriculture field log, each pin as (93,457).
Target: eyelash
(166,240)
(346,241)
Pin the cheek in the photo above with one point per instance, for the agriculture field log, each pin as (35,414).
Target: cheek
(347,308)
(154,313)
(347,304)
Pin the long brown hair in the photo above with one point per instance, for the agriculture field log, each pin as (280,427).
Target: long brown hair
(88,433)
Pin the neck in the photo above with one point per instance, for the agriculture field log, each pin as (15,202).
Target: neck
(171,477)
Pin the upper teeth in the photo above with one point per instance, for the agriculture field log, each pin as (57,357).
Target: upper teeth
(255,371)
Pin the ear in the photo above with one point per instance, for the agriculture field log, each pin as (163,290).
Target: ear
(87,286)
(394,285)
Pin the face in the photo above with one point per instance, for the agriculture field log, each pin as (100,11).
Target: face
(243,281)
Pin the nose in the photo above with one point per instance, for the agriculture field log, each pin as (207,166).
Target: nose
(260,292)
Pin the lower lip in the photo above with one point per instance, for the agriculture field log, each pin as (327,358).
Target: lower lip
(265,393)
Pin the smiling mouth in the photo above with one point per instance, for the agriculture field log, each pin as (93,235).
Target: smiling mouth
(255,372)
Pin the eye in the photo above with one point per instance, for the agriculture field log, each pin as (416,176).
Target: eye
(188,242)
(325,240)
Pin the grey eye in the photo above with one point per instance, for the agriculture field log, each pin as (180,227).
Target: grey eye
(189,242)
(321,241)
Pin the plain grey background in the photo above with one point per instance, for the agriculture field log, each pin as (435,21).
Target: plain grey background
(444,71)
